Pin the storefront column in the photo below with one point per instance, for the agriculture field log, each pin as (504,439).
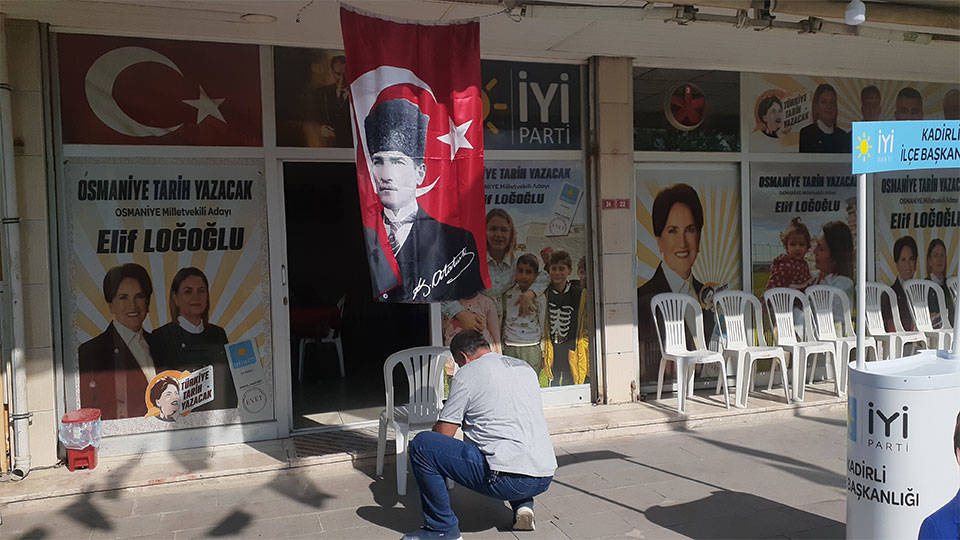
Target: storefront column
(613,144)
(25,65)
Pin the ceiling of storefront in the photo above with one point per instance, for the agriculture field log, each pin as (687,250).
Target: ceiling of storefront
(557,34)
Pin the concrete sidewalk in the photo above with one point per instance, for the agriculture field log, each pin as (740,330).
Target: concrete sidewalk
(773,478)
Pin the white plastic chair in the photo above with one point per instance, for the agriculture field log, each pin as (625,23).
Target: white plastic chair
(780,302)
(424,369)
(893,342)
(745,343)
(823,300)
(952,285)
(672,335)
(918,291)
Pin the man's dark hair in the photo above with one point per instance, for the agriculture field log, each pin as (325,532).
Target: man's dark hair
(822,89)
(869,90)
(561,257)
(397,125)
(530,260)
(908,92)
(467,342)
(902,242)
(339,59)
(113,277)
(677,193)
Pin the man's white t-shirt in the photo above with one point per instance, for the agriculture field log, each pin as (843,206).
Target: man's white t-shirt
(495,400)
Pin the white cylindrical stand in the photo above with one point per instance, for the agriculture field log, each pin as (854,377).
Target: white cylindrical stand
(901,464)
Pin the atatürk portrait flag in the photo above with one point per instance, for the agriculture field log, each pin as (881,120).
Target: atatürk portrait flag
(415,95)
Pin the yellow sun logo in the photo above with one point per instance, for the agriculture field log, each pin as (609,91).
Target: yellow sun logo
(863,146)
(241,352)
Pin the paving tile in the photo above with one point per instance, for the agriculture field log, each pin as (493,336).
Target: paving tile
(586,527)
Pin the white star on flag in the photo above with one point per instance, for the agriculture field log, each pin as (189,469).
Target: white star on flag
(457,137)
(206,107)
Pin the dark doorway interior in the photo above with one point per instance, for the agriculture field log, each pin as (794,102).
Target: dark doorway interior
(327,262)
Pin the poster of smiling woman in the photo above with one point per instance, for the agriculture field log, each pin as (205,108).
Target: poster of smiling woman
(164,268)
(688,242)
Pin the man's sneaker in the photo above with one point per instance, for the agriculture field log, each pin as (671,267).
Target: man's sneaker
(424,534)
(523,519)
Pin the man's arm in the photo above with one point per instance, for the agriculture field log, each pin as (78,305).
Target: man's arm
(446,428)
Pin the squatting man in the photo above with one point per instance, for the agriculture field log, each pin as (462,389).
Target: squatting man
(506,451)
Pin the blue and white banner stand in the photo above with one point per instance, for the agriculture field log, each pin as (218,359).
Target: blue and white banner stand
(903,415)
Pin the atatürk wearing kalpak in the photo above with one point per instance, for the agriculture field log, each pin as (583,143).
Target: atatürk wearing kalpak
(436,261)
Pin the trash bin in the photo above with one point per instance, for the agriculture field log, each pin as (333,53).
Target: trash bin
(80,432)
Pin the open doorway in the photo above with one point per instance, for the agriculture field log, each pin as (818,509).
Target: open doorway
(331,298)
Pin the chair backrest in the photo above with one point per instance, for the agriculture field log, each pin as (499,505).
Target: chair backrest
(739,314)
(424,369)
(874,315)
(952,285)
(781,302)
(823,298)
(671,328)
(918,293)
(891,295)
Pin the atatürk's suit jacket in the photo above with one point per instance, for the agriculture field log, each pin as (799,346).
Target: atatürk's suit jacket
(106,366)
(433,254)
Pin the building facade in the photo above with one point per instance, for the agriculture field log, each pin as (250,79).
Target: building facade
(152,151)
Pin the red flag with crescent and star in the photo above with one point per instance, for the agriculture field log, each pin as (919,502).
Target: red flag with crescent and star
(417,110)
(134,91)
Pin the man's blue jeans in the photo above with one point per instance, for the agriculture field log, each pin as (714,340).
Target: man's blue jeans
(435,457)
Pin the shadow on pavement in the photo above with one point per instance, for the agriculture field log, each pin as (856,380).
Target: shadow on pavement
(733,514)
(231,524)
(803,469)
(476,512)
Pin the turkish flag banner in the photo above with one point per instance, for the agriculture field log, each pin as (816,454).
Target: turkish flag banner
(417,110)
(133,91)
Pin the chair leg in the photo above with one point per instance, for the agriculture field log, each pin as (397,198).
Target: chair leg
(723,375)
(783,376)
(681,383)
(773,371)
(663,367)
(339,346)
(401,461)
(742,379)
(799,377)
(381,446)
(836,381)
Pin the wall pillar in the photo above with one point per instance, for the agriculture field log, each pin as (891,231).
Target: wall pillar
(26,67)
(613,154)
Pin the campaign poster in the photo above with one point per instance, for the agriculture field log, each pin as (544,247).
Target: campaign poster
(803,226)
(917,229)
(807,114)
(536,241)
(688,241)
(164,264)
(312,97)
(686,110)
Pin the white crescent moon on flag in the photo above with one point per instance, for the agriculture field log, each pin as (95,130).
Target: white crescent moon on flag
(98,86)
(364,92)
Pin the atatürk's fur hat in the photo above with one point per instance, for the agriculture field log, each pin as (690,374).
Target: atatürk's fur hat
(396,125)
